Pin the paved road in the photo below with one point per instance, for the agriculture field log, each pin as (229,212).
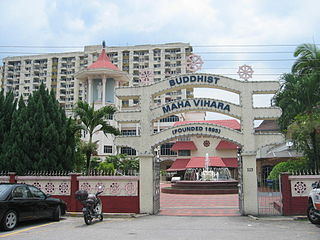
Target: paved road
(168,227)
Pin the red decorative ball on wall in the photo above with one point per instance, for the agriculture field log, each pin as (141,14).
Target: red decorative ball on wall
(206,143)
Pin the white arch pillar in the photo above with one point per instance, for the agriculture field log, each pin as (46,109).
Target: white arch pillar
(146,183)
(250,186)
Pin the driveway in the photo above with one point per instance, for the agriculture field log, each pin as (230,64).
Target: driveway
(168,227)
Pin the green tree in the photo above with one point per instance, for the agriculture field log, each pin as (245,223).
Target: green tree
(129,163)
(105,167)
(290,165)
(298,98)
(305,133)
(297,94)
(41,137)
(115,160)
(15,158)
(80,157)
(123,162)
(7,108)
(308,59)
(93,121)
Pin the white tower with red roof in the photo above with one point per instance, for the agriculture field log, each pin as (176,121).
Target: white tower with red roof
(101,78)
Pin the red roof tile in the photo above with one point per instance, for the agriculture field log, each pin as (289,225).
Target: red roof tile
(268,125)
(225,145)
(230,162)
(183,145)
(198,162)
(103,62)
(179,165)
(230,123)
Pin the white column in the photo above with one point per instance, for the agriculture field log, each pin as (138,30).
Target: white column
(250,186)
(90,101)
(158,123)
(146,183)
(104,83)
(83,90)
(137,129)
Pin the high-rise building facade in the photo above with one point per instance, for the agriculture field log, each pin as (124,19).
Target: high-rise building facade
(24,74)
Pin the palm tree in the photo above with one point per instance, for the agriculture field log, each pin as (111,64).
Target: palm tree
(288,98)
(93,121)
(308,59)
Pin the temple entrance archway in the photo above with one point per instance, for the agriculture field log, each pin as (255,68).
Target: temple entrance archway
(146,138)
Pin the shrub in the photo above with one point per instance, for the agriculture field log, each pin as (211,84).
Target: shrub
(290,165)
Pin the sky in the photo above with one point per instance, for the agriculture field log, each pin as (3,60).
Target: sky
(226,34)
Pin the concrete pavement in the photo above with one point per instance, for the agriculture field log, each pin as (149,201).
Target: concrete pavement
(168,227)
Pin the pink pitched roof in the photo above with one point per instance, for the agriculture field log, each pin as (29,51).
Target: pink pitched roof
(183,145)
(198,162)
(103,62)
(230,123)
(223,145)
(179,164)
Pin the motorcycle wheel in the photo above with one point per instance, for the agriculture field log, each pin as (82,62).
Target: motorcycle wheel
(87,219)
(311,215)
(101,217)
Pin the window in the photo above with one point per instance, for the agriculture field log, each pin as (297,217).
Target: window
(21,192)
(109,116)
(165,149)
(129,151)
(184,139)
(107,149)
(37,193)
(171,118)
(129,132)
(125,103)
(184,153)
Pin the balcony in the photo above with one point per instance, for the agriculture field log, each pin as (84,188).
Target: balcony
(9,82)
(36,80)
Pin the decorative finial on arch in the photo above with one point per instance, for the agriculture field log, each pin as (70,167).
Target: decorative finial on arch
(103,44)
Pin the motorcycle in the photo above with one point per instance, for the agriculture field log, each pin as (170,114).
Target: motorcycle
(92,205)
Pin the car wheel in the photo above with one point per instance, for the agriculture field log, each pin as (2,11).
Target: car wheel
(311,215)
(57,213)
(9,220)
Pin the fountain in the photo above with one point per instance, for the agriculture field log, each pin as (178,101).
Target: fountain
(210,180)
(206,174)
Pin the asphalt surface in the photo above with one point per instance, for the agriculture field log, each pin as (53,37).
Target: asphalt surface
(168,227)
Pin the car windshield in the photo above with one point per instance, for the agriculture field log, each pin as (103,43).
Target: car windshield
(4,190)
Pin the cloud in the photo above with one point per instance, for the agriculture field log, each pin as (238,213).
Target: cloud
(22,22)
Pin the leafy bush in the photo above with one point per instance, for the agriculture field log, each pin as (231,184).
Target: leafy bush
(106,167)
(290,165)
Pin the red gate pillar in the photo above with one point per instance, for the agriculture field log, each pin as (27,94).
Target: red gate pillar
(286,194)
(12,177)
(74,188)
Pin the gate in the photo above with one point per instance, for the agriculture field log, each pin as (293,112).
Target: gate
(240,185)
(269,194)
(156,185)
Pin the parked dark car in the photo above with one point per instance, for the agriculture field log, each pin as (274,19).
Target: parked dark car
(22,202)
